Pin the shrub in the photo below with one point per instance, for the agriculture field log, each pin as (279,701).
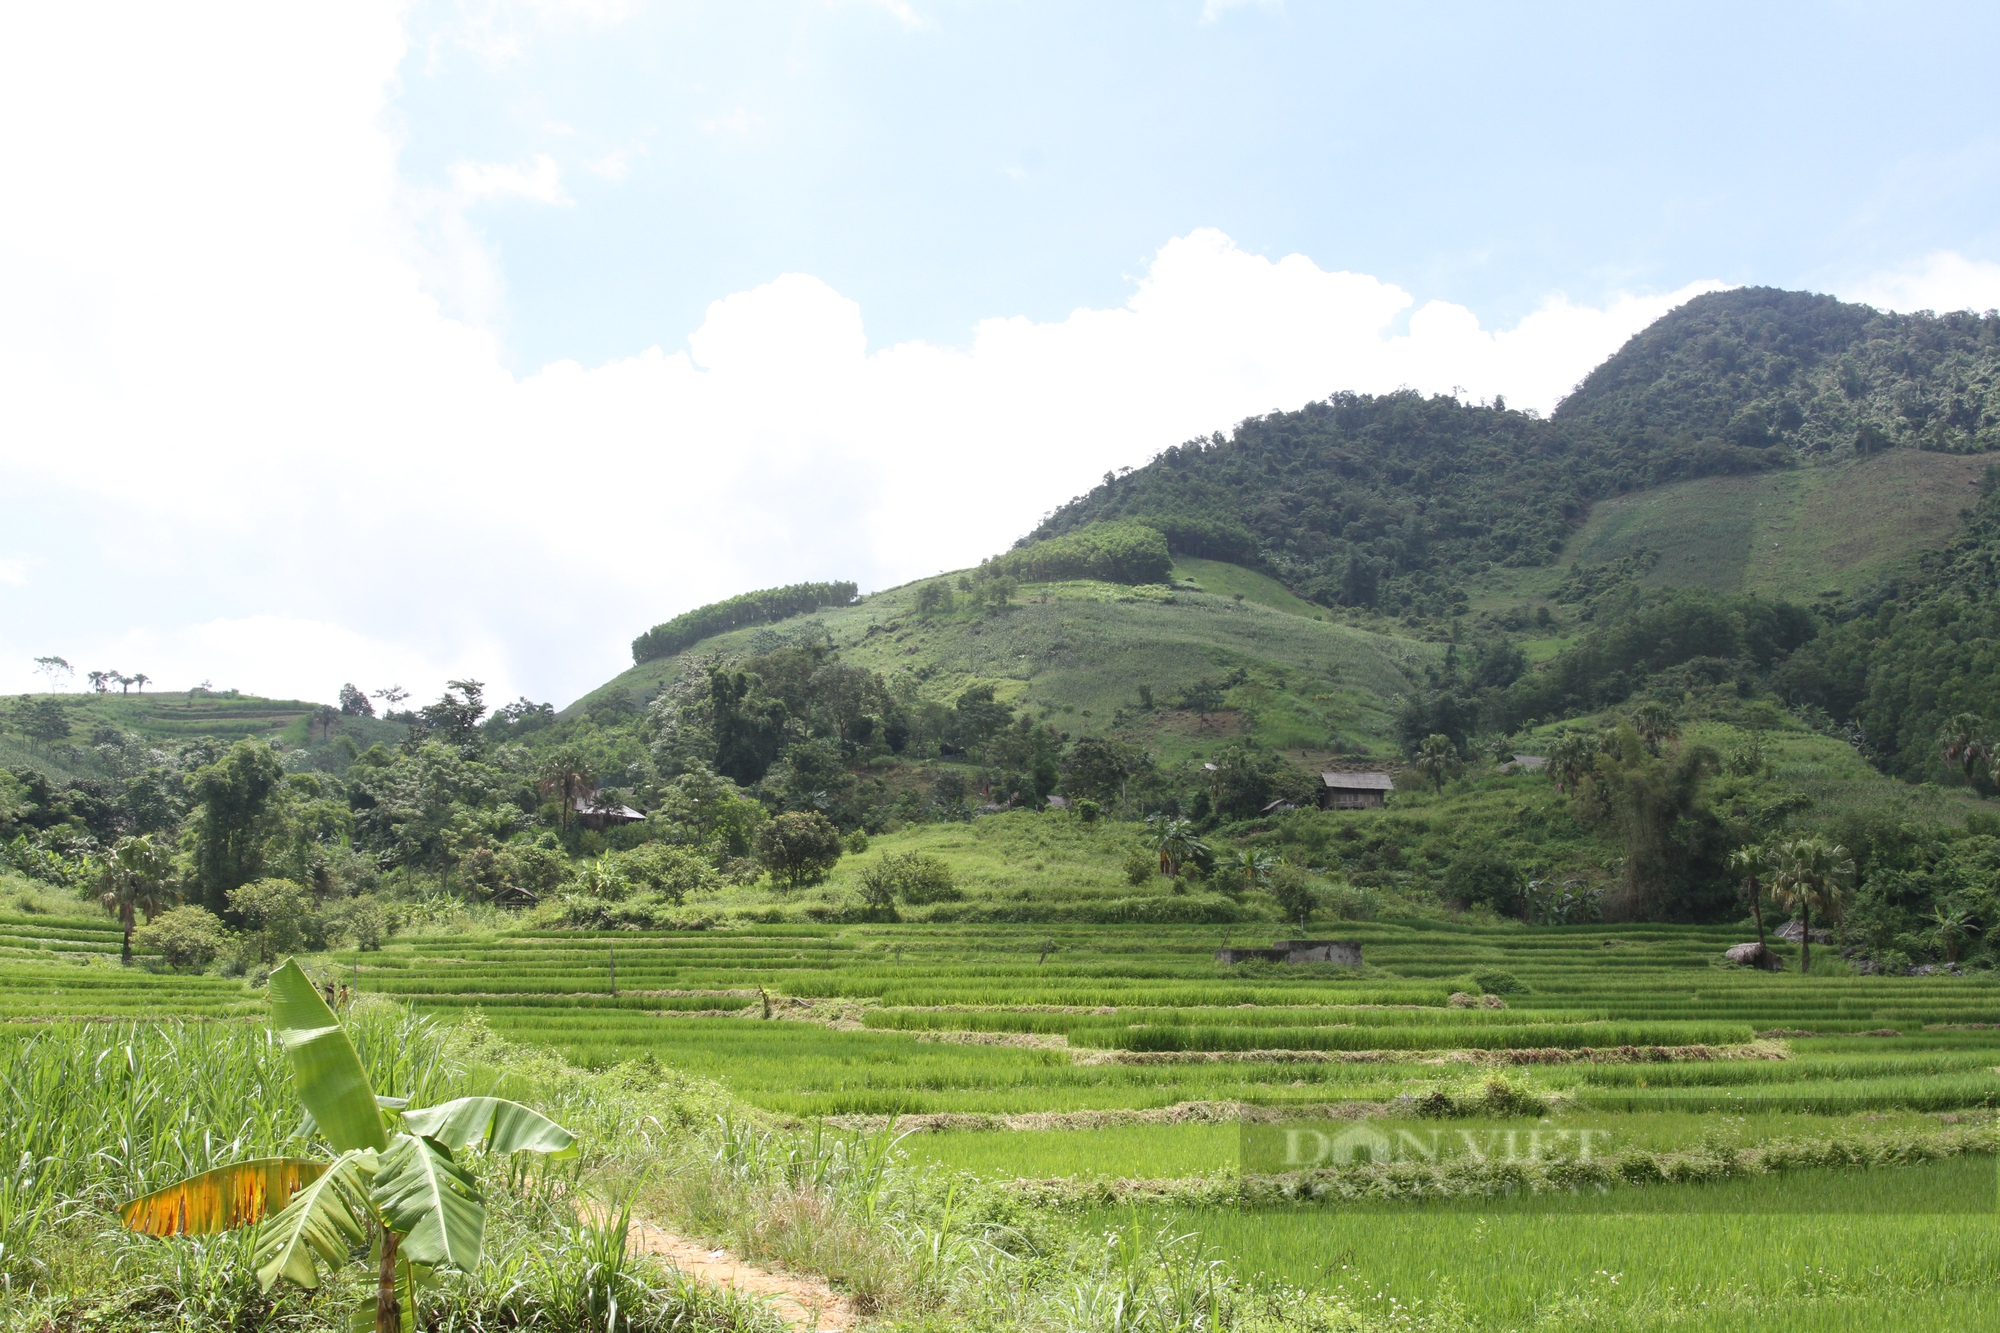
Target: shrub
(1086,809)
(750,608)
(191,937)
(671,873)
(857,842)
(363,921)
(915,877)
(1484,877)
(1493,981)
(1140,866)
(799,848)
(1117,552)
(279,919)
(1296,892)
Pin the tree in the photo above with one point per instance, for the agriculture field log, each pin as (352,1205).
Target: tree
(1437,761)
(225,833)
(1754,865)
(1097,768)
(1174,842)
(135,879)
(1296,894)
(354,703)
(1252,865)
(326,718)
(1571,759)
(799,847)
(395,1181)
(1812,874)
(1950,928)
(186,936)
(564,777)
(100,681)
(55,671)
(1655,724)
(142,680)
(1963,743)
(454,718)
(45,721)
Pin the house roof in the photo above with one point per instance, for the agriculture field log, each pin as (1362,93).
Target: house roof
(1531,760)
(585,806)
(1357,781)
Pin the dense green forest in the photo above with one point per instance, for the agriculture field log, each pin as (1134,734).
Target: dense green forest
(1164,669)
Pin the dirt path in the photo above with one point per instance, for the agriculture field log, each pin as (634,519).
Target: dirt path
(803,1302)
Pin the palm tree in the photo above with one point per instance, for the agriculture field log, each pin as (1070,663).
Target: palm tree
(1950,928)
(1655,724)
(1175,841)
(135,879)
(395,1179)
(1962,742)
(99,681)
(1811,873)
(1570,758)
(142,680)
(1253,865)
(1438,761)
(565,777)
(1753,863)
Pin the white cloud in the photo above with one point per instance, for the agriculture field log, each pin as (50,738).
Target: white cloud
(244,337)
(739,122)
(15,572)
(1944,280)
(1212,10)
(540,181)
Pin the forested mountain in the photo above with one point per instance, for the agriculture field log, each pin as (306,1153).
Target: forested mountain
(1394,501)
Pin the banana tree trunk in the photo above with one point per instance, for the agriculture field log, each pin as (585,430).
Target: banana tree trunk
(1757,908)
(125,919)
(1805,940)
(388,1310)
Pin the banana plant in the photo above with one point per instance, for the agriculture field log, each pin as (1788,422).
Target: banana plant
(393,1180)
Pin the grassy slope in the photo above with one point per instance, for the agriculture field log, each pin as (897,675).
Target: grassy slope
(1794,534)
(1078,651)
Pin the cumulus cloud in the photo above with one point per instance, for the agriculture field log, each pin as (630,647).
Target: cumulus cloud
(539,181)
(1945,280)
(277,444)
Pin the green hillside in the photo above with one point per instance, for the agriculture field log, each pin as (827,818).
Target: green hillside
(1079,651)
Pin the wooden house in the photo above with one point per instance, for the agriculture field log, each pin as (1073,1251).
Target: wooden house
(1354,791)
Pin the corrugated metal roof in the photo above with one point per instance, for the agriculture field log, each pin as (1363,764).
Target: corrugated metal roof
(1358,781)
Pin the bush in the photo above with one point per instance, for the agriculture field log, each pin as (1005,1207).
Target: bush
(1086,809)
(750,608)
(915,877)
(191,937)
(1116,552)
(1140,866)
(799,848)
(1493,981)
(278,918)
(1484,877)
(362,921)
(671,873)
(1296,892)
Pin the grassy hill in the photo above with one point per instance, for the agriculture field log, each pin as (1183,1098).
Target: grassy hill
(1080,650)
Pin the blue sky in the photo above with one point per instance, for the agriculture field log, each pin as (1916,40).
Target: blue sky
(388,342)
(965,160)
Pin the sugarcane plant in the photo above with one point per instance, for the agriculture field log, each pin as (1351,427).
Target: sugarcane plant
(393,1180)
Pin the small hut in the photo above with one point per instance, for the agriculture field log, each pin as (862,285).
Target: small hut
(600,815)
(1354,791)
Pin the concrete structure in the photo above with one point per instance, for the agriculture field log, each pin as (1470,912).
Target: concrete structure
(1354,791)
(1342,953)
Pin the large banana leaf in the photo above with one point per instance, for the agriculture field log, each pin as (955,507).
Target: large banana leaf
(320,1222)
(431,1202)
(328,1073)
(221,1200)
(494,1123)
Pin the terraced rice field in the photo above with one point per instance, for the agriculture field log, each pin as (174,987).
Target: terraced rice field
(1113,1053)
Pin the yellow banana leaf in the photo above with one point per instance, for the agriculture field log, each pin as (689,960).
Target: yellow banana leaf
(223,1199)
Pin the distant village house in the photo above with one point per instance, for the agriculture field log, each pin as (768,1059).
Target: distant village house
(1354,791)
